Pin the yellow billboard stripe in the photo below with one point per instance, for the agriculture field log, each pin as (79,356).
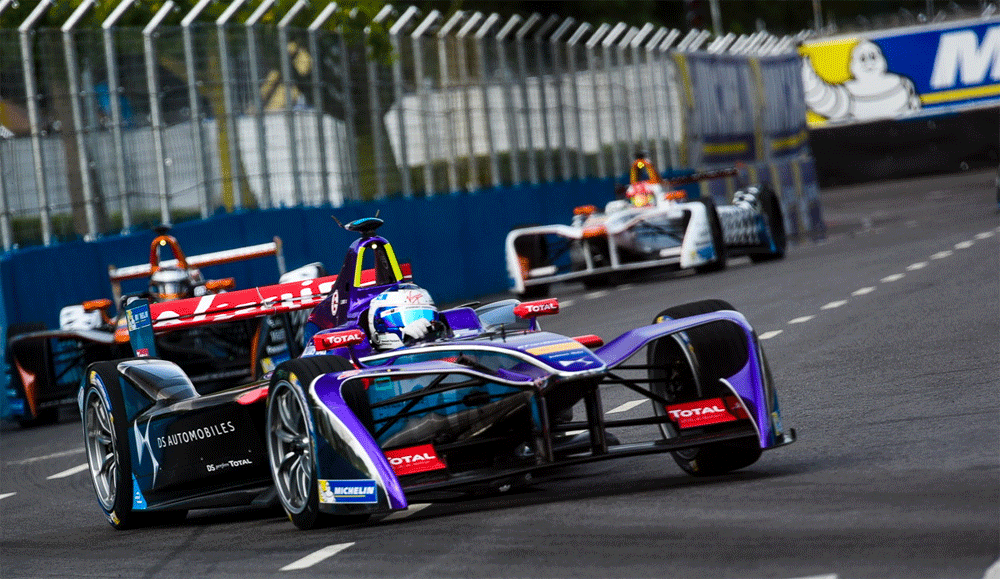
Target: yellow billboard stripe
(959,94)
(790,142)
(726,148)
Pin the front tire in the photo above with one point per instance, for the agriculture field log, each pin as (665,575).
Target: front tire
(687,366)
(291,445)
(718,241)
(775,220)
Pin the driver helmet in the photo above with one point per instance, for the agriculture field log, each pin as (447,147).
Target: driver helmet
(390,312)
(170,283)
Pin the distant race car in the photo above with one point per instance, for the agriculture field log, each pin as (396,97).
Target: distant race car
(46,366)
(652,226)
(346,432)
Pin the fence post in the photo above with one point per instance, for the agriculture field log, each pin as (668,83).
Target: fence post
(485,85)
(539,38)
(317,60)
(558,81)
(397,82)
(594,40)
(513,140)
(156,115)
(447,96)
(73,72)
(472,183)
(353,170)
(581,170)
(418,71)
(626,95)
(227,102)
(286,80)
(373,103)
(606,45)
(31,90)
(522,71)
(254,55)
(5,231)
(194,101)
(652,75)
(668,40)
(641,91)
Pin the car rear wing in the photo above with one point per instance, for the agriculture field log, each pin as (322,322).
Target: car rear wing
(120,274)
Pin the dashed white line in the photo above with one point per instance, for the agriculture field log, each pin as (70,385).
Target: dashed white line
(801,320)
(769,335)
(412,509)
(626,407)
(893,277)
(984,235)
(312,559)
(964,244)
(862,291)
(47,456)
(566,303)
(68,472)
(834,304)
(942,254)
(597,294)
(6,495)
(916,266)
(574,432)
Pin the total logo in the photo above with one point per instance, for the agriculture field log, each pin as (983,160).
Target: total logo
(703,413)
(539,308)
(414,460)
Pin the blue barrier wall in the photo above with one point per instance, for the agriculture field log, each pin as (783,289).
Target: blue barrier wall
(454,242)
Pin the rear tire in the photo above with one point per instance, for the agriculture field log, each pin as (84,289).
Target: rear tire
(105,432)
(771,208)
(688,366)
(291,448)
(718,241)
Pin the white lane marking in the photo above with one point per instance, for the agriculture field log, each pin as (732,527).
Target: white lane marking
(893,277)
(626,407)
(312,559)
(942,254)
(830,576)
(862,291)
(574,432)
(801,320)
(984,235)
(834,304)
(69,472)
(964,244)
(597,294)
(414,508)
(566,303)
(6,495)
(916,266)
(769,335)
(994,571)
(47,456)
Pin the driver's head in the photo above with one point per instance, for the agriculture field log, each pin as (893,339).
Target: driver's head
(170,283)
(404,313)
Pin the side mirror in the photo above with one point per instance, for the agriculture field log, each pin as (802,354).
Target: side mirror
(333,340)
(537,308)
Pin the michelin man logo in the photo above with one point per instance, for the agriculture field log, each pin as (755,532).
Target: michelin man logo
(872,93)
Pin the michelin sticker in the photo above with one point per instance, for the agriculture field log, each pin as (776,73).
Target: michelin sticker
(347,491)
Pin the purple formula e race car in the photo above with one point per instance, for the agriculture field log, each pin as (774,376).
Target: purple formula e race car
(368,419)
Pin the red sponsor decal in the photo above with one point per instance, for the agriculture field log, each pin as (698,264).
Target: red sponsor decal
(705,412)
(414,459)
(539,308)
(338,339)
(142,352)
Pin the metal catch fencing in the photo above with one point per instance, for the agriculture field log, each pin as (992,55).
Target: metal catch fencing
(111,128)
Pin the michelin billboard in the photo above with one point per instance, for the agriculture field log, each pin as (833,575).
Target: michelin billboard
(891,74)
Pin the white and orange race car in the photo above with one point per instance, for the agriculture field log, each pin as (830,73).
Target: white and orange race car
(651,225)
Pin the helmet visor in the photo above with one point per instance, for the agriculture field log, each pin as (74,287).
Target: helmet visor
(394,319)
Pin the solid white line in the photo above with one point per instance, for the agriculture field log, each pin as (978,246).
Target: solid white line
(769,335)
(69,472)
(942,254)
(47,456)
(801,320)
(964,244)
(984,235)
(835,304)
(566,303)
(626,407)
(862,291)
(6,495)
(893,277)
(830,576)
(414,508)
(310,560)
(597,294)
(916,266)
